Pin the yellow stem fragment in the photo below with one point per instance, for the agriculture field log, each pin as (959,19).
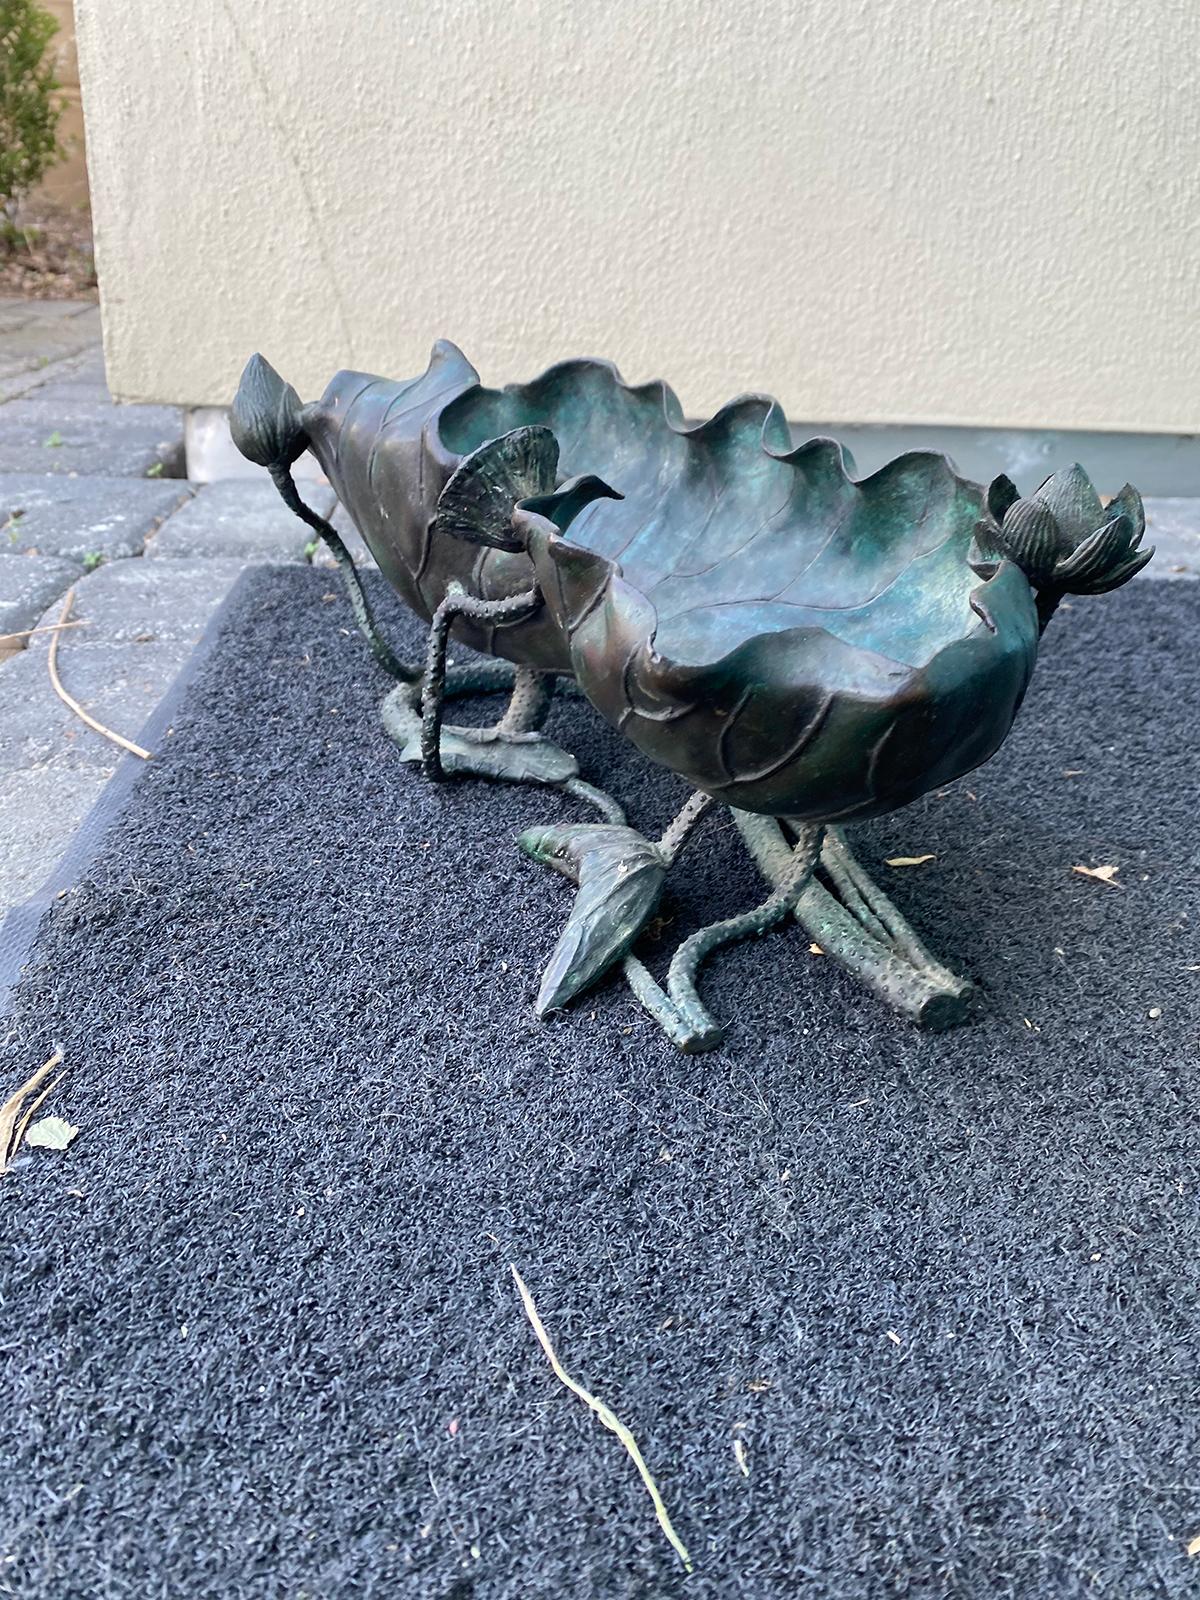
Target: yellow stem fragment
(29,1115)
(28,633)
(610,1420)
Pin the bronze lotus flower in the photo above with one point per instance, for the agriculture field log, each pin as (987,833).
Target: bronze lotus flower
(798,644)
(1063,537)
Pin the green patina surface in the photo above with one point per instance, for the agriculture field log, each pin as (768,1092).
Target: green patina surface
(747,613)
(802,645)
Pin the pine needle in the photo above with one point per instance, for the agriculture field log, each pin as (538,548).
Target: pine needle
(607,1417)
(12,1109)
(71,702)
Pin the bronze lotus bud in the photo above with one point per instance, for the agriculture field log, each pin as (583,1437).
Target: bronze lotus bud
(1063,538)
(265,420)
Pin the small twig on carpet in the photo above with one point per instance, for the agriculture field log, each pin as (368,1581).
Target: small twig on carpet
(73,704)
(607,1417)
(13,1107)
(23,1125)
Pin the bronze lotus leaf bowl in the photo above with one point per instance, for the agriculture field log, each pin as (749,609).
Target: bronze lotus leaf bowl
(794,642)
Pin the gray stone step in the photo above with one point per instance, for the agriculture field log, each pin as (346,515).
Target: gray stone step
(73,389)
(141,602)
(139,623)
(83,517)
(45,436)
(36,334)
(242,519)
(17,312)
(40,811)
(28,584)
(1173,528)
(119,684)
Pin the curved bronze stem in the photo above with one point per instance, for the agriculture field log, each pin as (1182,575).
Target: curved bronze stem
(281,477)
(455,605)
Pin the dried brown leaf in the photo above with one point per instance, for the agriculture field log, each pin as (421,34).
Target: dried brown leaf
(11,1110)
(1106,874)
(32,1109)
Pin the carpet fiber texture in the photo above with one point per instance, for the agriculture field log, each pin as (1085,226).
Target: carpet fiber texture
(888,1314)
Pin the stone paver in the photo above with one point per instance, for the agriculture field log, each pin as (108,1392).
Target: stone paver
(139,622)
(1173,528)
(141,602)
(119,684)
(82,518)
(246,520)
(79,436)
(27,586)
(39,338)
(85,385)
(40,811)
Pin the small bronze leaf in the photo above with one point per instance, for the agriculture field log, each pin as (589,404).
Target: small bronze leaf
(565,503)
(620,875)
(1097,556)
(1002,492)
(1122,574)
(1127,502)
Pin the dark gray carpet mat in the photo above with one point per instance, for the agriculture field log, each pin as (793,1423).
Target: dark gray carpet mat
(259,1332)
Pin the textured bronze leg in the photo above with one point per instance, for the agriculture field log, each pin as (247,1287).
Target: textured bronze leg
(859,926)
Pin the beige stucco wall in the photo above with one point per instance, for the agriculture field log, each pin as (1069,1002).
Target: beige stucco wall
(967,211)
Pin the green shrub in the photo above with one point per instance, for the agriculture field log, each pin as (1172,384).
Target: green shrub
(29,107)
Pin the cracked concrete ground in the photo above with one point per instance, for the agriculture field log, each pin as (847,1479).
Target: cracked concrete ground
(90,496)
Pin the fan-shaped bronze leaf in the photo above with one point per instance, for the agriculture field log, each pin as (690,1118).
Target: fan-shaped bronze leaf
(477,502)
